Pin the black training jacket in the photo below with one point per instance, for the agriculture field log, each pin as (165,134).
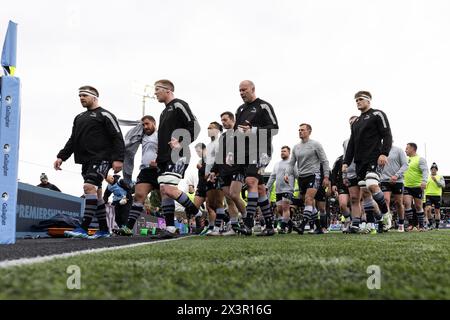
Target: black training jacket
(176,115)
(371,137)
(336,173)
(258,114)
(96,135)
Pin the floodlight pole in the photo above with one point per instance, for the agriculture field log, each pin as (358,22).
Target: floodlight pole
(145,96)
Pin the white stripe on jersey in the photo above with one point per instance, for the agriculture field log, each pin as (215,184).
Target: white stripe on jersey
(115,124)
(378,113)
(269,111)
(182,108)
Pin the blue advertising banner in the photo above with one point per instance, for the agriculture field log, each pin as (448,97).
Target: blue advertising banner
(36,204)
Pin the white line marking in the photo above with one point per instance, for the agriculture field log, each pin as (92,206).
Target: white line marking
(28,261)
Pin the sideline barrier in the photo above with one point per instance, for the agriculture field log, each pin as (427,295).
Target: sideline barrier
(35,204)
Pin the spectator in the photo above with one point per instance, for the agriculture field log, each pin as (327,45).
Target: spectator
(47,185)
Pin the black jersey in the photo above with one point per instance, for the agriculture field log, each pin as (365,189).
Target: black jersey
(224,161)
(96,136)
(176,115)
(336,173)
(258,115)
(371,137)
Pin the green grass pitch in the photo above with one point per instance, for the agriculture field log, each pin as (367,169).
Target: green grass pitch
(332,266)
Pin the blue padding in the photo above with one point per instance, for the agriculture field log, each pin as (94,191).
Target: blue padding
(9,156)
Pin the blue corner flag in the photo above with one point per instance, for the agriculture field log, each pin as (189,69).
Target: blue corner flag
(10,49)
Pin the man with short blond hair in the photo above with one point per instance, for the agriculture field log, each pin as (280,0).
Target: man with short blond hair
(178,128)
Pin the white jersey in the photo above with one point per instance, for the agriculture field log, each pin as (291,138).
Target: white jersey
(149,149)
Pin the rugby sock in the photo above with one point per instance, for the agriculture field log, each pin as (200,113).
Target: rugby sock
(135,212)
(409,216)
(369,209)
(101,215)
(437,223)
(420,218)
(220,214)
(323,219)
(356,221)
(415,219)
(226,216)
(252,203)
(89,210)
(189,207)
(308,214)
(264,204)
(379,199)
(168,209)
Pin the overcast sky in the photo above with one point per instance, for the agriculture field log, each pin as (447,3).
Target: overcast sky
(307,58)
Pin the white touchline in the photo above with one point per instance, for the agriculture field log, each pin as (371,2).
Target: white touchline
(28,261)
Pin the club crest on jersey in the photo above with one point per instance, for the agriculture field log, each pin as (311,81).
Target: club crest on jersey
(367,117)
(93,114)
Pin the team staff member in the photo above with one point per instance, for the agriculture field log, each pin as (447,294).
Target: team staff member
(415,183)
(433,194)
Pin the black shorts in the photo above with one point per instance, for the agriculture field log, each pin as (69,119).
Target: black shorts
(342,189)
(416,193)
(353,182)
(179,168)
(227,179)
(170,173)
(284,196)
(433,200)
(297,202)
(362,169)
(250,170)
(201,188)
(309,182)
(150,176)
(95,171)
(394,188)
(216,185)
(321,194)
